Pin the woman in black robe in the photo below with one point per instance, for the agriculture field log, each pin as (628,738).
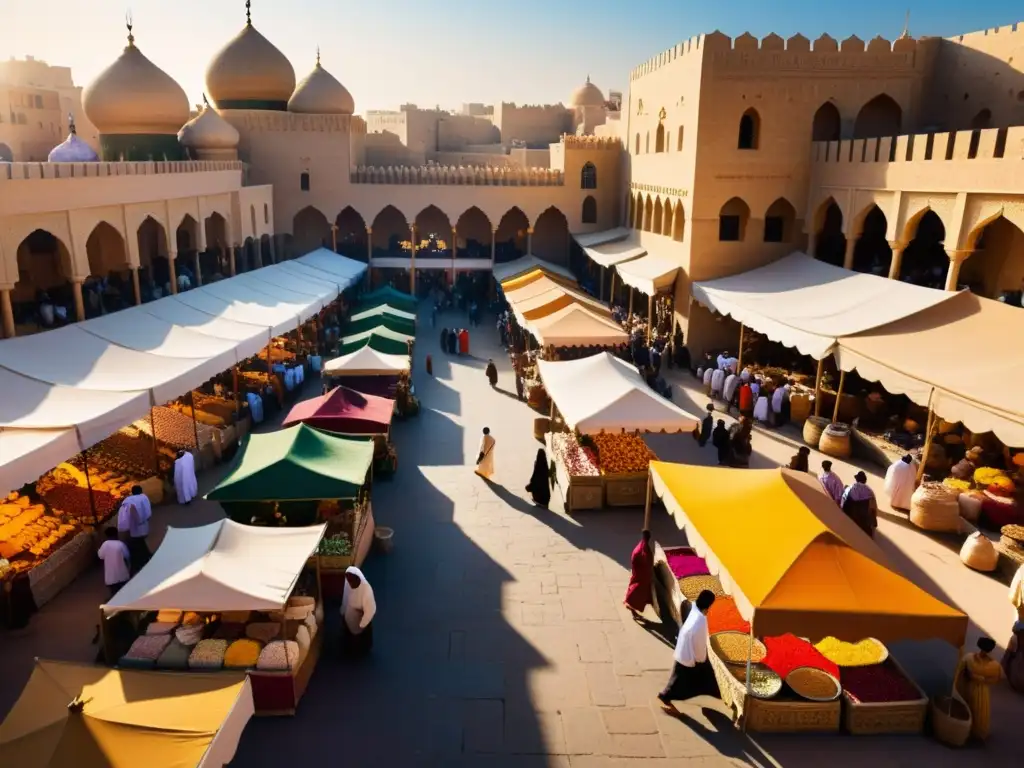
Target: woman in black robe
(444,339)
(539,487)
(720,439)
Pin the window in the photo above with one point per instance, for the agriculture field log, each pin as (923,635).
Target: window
(304,181)
(589,210)
(728,228)
(647,143)
(750,125)
(635,151)
(679,140)
(266,213)
(659,139)
(774,229)
(39,102)
(588,177)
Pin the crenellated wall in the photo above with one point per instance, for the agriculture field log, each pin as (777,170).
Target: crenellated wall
(490,176)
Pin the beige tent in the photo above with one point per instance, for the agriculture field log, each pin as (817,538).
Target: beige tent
(577,326)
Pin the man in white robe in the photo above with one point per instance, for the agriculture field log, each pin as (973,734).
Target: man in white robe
(732,381)
(358,607)
(717,382)
(485,456)
(900,482)
(133,523)
(185,483)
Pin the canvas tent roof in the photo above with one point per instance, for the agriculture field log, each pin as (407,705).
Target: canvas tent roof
(391,322)
(798,563)
(27,453)
(383,309)
(248,337)
(591,239)
(337,266)
(218,567)
(390,296)
(604,393)
(511,269)
(381,339)
(156,719)
(278,276)
(610,247)
(367,361)
(649,274)
(575,326)
(297,463)
(915,356)
(344,411)
(805,303)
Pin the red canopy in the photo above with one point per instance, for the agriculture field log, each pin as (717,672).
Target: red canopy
(345,411)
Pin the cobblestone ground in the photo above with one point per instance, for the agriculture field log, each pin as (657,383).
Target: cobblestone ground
(501,639)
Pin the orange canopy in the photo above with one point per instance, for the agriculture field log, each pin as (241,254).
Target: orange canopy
(530,277)
(793,561)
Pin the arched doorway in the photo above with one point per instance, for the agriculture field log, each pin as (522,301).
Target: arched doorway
(732,221)
(433,233)
(511,237)
(474,234)
(648,213)
(678,222)
(42,297)
(310,230)
(154,272)
(996,268)
(924,260)
(551,237)
(779,222)
(248,255)
(879,118)
(108,259)
(829,240)
(351,234)
(391,235)
(215,260)
(827,125)
(871,252)
(6,154)
(186,237)
(666,218)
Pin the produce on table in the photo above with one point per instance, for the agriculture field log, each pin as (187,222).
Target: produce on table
(865,653)
(1002,486)
(789,652)
(724,616)
(279,655)
(242,654)
(985,476)
(578,460)
(956,484)
(171,616)
(127,452)
(683,564)
(74,501)
(814,684)
(878,683)
(692,586)
(338,545)
(735,647)
(622,453)
(176,429)
(209,654)
(28,529)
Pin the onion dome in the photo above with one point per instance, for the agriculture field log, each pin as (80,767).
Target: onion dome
(134,96)
(208,130)
(73,149)
(320,93)
(250,73)
(587,95)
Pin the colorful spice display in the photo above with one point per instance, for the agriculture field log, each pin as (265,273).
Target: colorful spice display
(622,453)
(579,460)
(734,648)
(73,500)
(813,684)
(957,484)
(209,654)
(683,564)
(865,653)
(242,654)
(148,647)
(878,683)
(764,683)
(692,586)
(986,476)
(724,616)
(789,652)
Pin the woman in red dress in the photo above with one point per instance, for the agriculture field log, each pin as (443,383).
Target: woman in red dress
(641,577)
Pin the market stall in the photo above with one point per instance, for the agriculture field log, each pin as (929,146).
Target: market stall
(373,320)
(224,596)
(84,716)
(608,249)
(388,295)
(605,405)
(300,476)
(576,326)
(367,370)
(795,570)
(382,310)
(529,263)
(381,339)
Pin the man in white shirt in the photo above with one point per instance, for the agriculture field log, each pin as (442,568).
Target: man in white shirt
(691,674)
(133,521)
(115,557)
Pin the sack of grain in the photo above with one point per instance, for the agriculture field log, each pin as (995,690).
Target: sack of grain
(933,507)
(978,553)
(970,505)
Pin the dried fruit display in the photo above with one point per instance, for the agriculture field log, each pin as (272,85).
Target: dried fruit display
(127,452)
(578,460)
(176,429)
(73,501)
(985,476)
(622,453)
(878,683)
(29,530)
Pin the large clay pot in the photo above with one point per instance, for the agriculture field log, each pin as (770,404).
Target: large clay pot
(813,428)
(799,408)
(835,441)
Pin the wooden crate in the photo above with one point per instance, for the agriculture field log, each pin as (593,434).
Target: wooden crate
(625,490)
(888,716)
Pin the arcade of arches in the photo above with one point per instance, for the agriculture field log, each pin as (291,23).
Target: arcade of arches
(992,264)
(662,217)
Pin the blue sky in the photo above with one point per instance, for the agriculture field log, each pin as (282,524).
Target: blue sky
(448,52)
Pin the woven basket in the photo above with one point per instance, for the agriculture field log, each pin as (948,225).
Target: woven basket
(835,441)
(979,554)
(802,679)
(933,507)
(948,728)
(799,408)
(724,644)
(970,505)
(813,428)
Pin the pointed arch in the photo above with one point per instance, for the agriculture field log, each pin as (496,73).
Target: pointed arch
(659,139)
(872,253)
(636,146)
(925,261)
(186,235)
(351,234)
(106,251)
(391,233)
(215,260)
(551,236)
(779,222)
(997,265)
(433,231)
(589,213)
(310,230)
(980,122)
(666,218)
(648,213)
(656,219)
(588,176)
(749,135)
(732,221)
(631,220)
(152,243)
(830,239)
(678,222)
(827,124)
(679,139)
(638,222)
(880,117)
(511,236)
(475,232)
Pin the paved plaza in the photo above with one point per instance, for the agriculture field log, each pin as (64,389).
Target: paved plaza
(501,639)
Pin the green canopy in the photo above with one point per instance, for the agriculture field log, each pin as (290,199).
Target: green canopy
(392,323)
(383,340)
(294,464)
(383,309)
(388,295)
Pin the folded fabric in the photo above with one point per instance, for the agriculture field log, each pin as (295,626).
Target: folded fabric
(209,654)
(175,656)
(161,627)
(279,656)
(242,654)
(264,631)
(148,647)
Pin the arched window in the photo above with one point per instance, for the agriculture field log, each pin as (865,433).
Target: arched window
(679,140)
(827,125)
(637,150)
(659,139)
(304,181)
(589,210)
(879,118)
(647,143)
(732,221)
(266,213)
(588,176)
(750,128)
(778,221)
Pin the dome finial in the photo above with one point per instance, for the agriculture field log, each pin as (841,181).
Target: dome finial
(205,102)
(588,79)
(318,57)
(128,23)
(248,13)
(71,123)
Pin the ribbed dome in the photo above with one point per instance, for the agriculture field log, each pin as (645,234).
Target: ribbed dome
(73,150)
(134,96)
(208,130)
(320,93)
(587,95)
(250,73)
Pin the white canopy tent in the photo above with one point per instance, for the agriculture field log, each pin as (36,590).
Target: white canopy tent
(320,290)
(649,273)
(249,338)
(243,306)
(367,361)
(591,239)
(145,332)
(576,326)
(219,567)
(617,252)
(333,264)
(27,453)
(524,264)
(602,393)
(805,303)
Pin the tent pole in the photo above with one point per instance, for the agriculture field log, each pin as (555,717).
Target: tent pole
(817,387)
(600,293)
(929,431)
(631,301)
(195,426)
(156,446)
(739,357)
(88,485)
(839,397)
(647,503)
(611,292)
(238,394)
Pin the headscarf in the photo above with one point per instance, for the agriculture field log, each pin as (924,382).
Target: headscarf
(359,598)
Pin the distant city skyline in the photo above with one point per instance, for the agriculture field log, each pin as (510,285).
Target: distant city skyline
(448,52)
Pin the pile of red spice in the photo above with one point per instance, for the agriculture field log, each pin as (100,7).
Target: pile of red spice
(684,563)
(724,616)
(787,652)
(878,683)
